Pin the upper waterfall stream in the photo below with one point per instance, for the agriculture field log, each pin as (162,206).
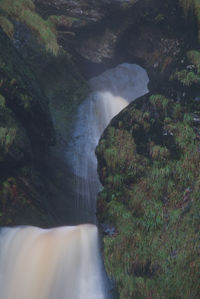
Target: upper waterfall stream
(111,92)
(65,263)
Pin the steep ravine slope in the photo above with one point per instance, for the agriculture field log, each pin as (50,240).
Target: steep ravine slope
(51,87)
(148,156)
(149,166)
(39,94)
(102,34)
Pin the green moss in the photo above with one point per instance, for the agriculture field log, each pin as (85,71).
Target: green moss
(192,5)
(128,4)
(190,75)
(197,13)
(7,139)
(155,251)
(14,202)
(186,78)
(26,101)
(159,101)
(159,153)
(62,19)
(24,11)
(7,26)
(65,89)
(2,102)
(16,8)
(194,58)
(159,18)
(122,165)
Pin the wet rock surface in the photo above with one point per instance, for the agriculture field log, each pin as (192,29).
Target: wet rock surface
(145,156)
(148,156)
(102,34)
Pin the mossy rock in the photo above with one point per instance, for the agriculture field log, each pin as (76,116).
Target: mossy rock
(24,12)
(18,204)
(152,198)
(192,6)
(23,95)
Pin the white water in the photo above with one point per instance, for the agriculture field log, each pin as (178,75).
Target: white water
(64,263)
(111,92)
(60,263)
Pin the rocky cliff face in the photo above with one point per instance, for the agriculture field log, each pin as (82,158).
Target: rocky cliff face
(148,164)
(92,36)
(39,94)
(103,34)
(148,156)
(26,133)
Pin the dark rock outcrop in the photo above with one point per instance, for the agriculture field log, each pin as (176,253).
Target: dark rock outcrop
(149,154)
(39,96)
(102,34)
(148,164)
(26,134)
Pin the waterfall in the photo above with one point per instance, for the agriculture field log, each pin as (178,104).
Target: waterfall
(111,92)
(60,263)
(64,263)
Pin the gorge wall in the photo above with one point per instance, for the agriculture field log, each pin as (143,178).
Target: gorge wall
(149,167)
(43,82)
(149,154)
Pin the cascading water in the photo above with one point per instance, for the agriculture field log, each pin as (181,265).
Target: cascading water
(111,92)
(60,263)
(64,263)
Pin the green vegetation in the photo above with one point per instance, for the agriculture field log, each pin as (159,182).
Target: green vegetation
(194,58)
(62,19)
(7,26)
(190,75)
(192,5)
(2,102)
(128,4)
(159,101)
(25,127)
(24,11)
(7,137)
(186,78)
(65,91)
(15,201)
(149,166)
(33,83)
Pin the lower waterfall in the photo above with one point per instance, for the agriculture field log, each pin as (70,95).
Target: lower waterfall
(65,263)
(60,263)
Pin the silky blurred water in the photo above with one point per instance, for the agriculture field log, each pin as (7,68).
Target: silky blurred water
(111,92)
(60,263)
(65,263)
